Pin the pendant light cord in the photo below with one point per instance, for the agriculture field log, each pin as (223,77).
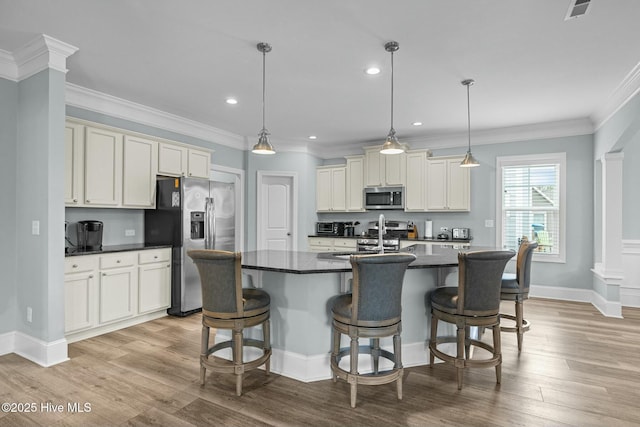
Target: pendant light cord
(264,62)
(468,119)
(392,129)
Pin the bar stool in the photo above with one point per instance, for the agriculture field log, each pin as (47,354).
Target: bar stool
(227,305)
(474,302)
(515,287)
(372,310)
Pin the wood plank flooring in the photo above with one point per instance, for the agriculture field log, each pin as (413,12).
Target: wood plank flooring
(576,368)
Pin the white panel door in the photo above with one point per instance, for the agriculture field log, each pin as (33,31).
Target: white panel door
(276,213)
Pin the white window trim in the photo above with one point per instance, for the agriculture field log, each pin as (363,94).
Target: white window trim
(536,159)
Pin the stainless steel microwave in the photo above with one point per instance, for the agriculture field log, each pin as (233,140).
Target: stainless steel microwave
(384,198)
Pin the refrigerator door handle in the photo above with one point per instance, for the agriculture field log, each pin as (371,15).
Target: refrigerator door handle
(209,224)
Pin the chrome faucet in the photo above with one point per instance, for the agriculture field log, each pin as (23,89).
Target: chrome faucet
(381,232)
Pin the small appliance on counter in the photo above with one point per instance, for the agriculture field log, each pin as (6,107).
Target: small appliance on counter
(90,235)
(324,228)
(460,234)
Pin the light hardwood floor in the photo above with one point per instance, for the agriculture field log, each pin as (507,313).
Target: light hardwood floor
(577,368)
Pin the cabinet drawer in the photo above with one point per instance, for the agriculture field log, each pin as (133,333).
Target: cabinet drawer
(78,264)
(154,255)
(345,243)
(321,241)
(122,259)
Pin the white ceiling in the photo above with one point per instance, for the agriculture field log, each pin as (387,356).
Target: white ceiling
(186,57)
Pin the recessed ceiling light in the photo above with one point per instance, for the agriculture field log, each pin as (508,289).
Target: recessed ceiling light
(231,101)
(312,137)
(417,123)
(372,71)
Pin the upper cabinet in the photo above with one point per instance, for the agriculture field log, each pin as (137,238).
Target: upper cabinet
(416,189)
(355,183)
(106,167)
(331,188)
(448,185)
(102,167)
(176,160)
(384,169)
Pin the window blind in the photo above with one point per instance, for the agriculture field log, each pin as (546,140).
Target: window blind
(531,206)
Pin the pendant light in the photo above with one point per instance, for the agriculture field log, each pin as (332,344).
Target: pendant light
(391,145)
(263,146)
(469,161)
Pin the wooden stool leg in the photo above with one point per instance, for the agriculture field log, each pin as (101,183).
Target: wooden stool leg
(432,340)
(375,353)
(266,336)
(467,342)
(497,352)
(334,351)
(397,354)
(204,348)
(354,369)
(519,324)
(237,359)
(460,354)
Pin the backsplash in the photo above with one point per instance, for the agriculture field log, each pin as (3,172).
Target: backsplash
(117,222)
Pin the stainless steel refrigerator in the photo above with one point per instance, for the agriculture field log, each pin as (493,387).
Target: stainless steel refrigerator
(190,214)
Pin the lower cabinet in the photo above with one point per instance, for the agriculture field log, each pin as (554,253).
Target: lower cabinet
(106,292)
(332,244)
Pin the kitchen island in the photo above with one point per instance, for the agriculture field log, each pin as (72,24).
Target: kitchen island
(301,285)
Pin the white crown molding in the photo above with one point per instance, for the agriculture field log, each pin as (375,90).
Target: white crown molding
(623,93)
(103,103)
(8,67)
(39,54)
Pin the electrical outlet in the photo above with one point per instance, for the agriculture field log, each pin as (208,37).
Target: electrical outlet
(129,233)
(29,314)
(35,227)
(488,223)
(444,229)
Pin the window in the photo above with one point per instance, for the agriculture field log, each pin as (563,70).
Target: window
(532,203)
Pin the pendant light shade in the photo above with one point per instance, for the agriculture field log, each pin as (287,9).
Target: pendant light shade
(391,145)
(469,161)
(263,146)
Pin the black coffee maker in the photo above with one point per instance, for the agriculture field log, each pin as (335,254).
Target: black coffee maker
(90,235)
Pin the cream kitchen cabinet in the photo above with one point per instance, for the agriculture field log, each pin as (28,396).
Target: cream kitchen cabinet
(80,293)
(448,185)
(331,188)
(118,287)
(355,184)
(416,188)
(102,167)
(139,170)
(74,164)
(107,292)
(178,160)
(332,244)
(384,169)
(154,280)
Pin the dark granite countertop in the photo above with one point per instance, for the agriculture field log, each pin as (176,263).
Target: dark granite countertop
(428,256)
(112,248)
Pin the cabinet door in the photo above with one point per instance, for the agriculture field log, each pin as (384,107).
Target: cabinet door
(199,164)
(79,301)
(394,169)
(117,294)
(73,164)
(323,189)
(172,159)
(415,188)
(355,184)
(338,189)
(103,167)
(140,165)
(375,168)
(154,287)
(436,184)
(458,183)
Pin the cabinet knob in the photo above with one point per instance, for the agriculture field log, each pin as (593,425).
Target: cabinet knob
(155,257)
(91,276)
(88,201)
(104,274)
(75,200)
(74,266)
(190,174)
(117,261)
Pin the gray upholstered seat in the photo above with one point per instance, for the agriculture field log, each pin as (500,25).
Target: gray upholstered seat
(372,310)
(226,305)
(474,302)
(515,287)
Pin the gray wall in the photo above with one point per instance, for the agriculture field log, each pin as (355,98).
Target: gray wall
(40,176)
(8,136)
(305,166)
(575,273)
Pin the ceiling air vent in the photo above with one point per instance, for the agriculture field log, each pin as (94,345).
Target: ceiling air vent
(577,8)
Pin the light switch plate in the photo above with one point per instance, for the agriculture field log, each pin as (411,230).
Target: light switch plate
(35,227)
(129,233)
(488,223)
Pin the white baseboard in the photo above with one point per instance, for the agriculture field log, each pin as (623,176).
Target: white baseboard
(41,352)
(630,297)
(607,308)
